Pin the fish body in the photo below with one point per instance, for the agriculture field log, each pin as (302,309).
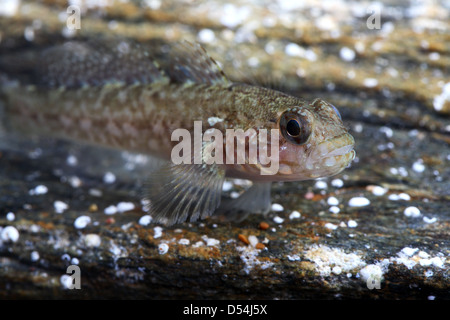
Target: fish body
(137,103)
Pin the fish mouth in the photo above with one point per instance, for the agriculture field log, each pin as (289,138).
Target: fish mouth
(333,155)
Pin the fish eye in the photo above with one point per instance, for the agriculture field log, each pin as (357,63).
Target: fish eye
(295,127)
(336,111)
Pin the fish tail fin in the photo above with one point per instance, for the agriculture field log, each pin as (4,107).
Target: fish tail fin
(6,84)
(2,118)
(3,85)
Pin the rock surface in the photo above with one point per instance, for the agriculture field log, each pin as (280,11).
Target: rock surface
(379,230)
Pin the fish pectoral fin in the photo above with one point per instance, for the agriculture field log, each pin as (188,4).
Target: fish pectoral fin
(182,192)
(254,200)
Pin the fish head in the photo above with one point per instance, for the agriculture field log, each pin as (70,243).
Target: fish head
(313,142)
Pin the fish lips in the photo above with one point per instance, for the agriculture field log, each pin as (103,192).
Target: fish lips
(334,154)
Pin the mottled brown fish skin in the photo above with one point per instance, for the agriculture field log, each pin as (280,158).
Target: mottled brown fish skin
(140,118)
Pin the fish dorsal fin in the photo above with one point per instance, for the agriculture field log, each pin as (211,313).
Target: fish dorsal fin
(191,63)
(96,63)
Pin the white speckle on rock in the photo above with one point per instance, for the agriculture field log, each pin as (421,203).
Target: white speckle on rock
(60,206)
(34,256)
(352,224)
(152,4)
(157,232)
(295,215)
(320,184)
(438,262)
(117,251)
(145,220)
(10,216)
(393,197)
(326,258)
(387,131)
(337,183)
(418,166)
(198,244)
(429,220)
(336,270)
(206,36)
(347,54)
(253,62)
(351,74)
(109,178)
(310,55)
(112,209)
(358,127)
(253,240)
(332,201)
(34,228)
(358,202)
(370,82)
(387,27)
(231,16)
(294,257)
(399,171)
(184,241)
(210,242)
(404,196)
(408,251)
(75,182)
(277,207)
(66,281)
(71,160)
(125,206)
(278,219)
(9,7)
(81,222)
(9,233)
(443,99)
(249,256)
(405,260)
(324,22)
(425,262)
(371,272)
(163,248)
(334,209)
(294,50)
(92,240)
(95,192)
(40,189)
(378,190)
(412,212)
(65,257)
(331,226)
